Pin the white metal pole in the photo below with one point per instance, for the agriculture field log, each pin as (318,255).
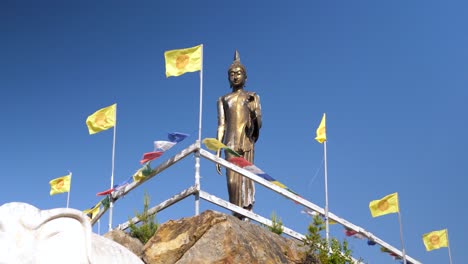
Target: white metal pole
(201,97)
(111,203)
(327,231)
(197,154)
(448,246)
(197,180)
(68,195)
(401,237)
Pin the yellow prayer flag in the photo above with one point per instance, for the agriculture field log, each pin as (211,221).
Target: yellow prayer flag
(435,239)
(386,205)
(138,176)
(92,212)
(277,183)
(60,185)
(102,119)
(321,131)
(213,144)
(180,61)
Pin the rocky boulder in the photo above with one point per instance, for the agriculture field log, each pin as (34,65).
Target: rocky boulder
(213,237)
(124,239)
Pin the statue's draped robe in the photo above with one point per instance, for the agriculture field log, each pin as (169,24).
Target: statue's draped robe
(239,122)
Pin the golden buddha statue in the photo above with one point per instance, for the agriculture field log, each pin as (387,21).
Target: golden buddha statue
(239,123)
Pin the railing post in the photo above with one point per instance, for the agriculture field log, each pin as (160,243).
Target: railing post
(197,178)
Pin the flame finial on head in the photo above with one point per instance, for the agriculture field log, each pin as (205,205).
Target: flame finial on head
(237,63)
(236,56)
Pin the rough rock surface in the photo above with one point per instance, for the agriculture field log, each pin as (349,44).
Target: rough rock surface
(213,237)
(124,239)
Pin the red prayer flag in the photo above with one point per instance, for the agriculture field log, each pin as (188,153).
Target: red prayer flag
(240,161)
(151,156)
(349,232)
(105,192)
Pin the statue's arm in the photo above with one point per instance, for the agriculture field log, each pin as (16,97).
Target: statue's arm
(221,129)
(256,116)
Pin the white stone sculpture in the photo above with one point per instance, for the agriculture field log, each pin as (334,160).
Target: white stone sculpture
(32,236)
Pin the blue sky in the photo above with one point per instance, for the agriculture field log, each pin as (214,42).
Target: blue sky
(391,76)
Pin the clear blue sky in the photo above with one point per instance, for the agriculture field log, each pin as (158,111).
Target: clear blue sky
(391,76)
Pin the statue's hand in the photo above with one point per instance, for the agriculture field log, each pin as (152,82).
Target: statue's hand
(253,114)
(218,167)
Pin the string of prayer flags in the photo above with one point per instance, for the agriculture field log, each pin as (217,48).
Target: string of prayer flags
(215,145)
(393,254)
(245,164)
(162,146)
(352,233)
(115,188)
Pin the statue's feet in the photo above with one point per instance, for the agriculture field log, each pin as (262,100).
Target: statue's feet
(242,217)
(239,216)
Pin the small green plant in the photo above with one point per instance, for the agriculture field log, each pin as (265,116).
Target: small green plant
(277,224)
(147,226)
(316,245)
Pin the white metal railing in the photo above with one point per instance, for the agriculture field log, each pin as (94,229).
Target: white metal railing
(195,190)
